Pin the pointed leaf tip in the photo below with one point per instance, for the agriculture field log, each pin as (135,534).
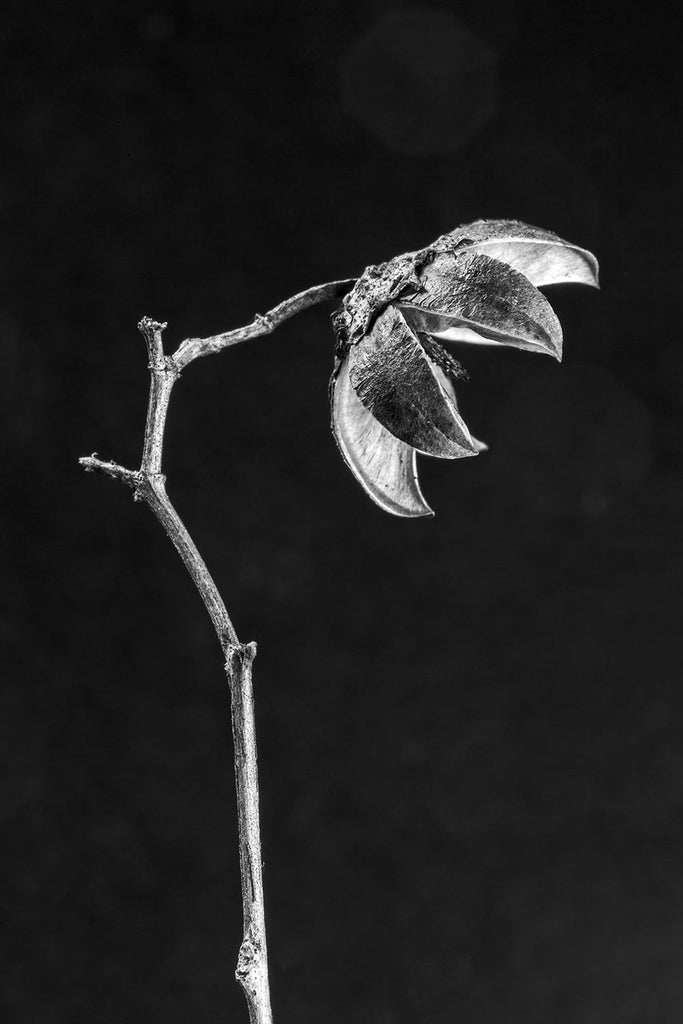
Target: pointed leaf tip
(447,383)
(396,381)
(384,466)
(467,296)
(542,256)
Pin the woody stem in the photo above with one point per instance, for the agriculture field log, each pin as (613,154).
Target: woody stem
(149,485)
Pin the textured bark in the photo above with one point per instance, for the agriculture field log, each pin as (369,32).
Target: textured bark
(252,961)
(149,485)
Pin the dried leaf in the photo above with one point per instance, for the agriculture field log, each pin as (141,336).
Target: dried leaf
(540,255)
(447,384)
(383,465)
(395,380)
(480,296)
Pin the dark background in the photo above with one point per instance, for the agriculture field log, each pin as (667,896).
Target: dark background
(470,728)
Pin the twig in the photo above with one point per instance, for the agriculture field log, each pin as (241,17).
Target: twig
(252,961)
(148,485)
(193,348)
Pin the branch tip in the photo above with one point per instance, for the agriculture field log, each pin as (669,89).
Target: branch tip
(152,331)
(93,464)
(149,326)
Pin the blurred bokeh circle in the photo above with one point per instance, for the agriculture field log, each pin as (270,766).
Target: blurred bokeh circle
(420,81)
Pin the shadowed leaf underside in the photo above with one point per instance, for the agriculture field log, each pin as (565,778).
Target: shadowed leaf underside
(395,380)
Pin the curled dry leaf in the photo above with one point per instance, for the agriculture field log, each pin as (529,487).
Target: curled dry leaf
(394,378)
(488,298)
(392,390)
(384,466)
(542,256)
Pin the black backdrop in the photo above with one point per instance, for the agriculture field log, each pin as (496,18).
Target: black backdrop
(470,728)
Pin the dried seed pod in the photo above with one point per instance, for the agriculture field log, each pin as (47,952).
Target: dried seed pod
(392,390)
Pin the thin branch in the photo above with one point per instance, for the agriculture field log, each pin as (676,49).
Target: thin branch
(93,464)
(252,962)
(194,348)
(148,485)
(163,375)
(151,489)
